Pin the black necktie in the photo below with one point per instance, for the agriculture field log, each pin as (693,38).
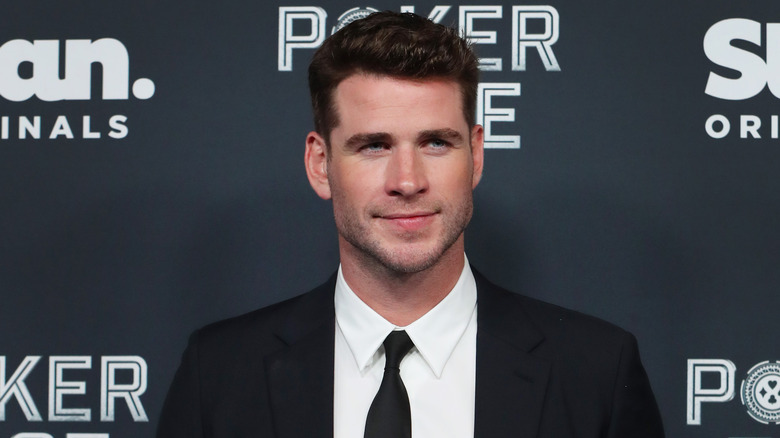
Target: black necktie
(389,415)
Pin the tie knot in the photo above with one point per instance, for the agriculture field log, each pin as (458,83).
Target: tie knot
(397,344)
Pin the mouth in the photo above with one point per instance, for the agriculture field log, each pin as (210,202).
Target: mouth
(407,215)
(413,221)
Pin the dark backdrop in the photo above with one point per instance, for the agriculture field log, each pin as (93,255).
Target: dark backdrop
(618,202)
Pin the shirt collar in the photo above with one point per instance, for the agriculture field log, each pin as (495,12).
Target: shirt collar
(435,334)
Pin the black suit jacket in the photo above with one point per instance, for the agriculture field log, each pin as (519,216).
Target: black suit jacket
(542,371)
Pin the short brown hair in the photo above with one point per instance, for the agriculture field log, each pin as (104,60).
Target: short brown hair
(392,44)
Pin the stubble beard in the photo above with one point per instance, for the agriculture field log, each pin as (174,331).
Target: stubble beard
(375,255)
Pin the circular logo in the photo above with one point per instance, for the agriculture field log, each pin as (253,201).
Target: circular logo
(352,15)
(760,392)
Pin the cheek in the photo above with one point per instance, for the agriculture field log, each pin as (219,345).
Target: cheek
(347,194)
(455,177)
(360,180)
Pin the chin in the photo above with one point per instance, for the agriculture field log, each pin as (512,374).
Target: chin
(410,260)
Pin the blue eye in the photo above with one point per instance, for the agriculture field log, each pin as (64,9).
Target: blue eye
(438,143)
(374,147)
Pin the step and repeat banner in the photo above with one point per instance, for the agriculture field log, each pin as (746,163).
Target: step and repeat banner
(152,181)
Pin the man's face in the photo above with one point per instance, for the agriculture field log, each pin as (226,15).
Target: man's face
(401,169)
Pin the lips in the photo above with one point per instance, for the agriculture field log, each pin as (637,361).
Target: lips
(407,215)
(409,221)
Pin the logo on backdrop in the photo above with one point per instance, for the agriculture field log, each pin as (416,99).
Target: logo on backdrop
(736,45)
(535,30)
(123,380)
(760,392)
(32,68)
(350,16)
(713,381)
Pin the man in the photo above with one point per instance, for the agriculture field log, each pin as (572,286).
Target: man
(406,339)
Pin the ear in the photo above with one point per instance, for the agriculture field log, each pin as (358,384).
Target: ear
(477,153)
(316,162)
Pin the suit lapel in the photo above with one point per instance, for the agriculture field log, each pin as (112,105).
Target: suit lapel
(510,383)
(300,376)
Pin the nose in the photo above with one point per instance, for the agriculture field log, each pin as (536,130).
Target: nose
(405,172)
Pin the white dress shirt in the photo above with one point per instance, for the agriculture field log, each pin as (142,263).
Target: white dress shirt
(439,372)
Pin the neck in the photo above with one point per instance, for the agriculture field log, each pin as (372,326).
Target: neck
(402,298)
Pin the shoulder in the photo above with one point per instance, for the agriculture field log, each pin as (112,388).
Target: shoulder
(562,332)
(557,321)
(595,373)
(266,326)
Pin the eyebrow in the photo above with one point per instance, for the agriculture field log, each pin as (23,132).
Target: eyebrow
(448,134)
(367,138)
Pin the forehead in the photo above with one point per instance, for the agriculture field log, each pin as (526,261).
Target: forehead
(369,102)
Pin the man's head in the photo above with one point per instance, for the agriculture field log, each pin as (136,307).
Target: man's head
(399,45)
(398,151)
